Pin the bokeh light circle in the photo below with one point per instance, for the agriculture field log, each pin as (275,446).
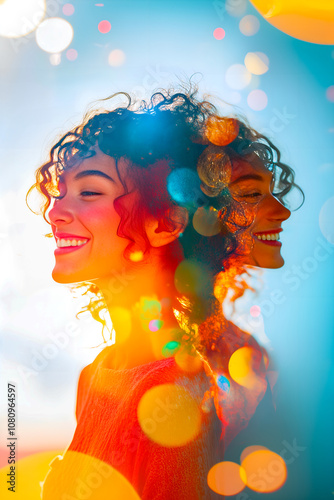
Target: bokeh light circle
(101,481)
(237,76)
(309,20)
(155,325)
(227,478)
(68,9)
(169,415)
(54,35)
(330,93)
(249,25)
(257,100)
(257,63)
(326,220)
(20,17)
(71,54)
(55,59)
(116,57)
(219,33)
(104,26)
(205,221)
(266,471)
(223,383)
(170,348)
(255,311)
(183,185)
(245,366)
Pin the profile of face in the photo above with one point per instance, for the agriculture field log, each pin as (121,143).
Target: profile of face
(84,222)
(251,185)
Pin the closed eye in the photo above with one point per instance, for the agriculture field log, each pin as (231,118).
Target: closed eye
(89,193)
(252,195)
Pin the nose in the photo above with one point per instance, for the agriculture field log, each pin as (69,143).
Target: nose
(60,213)
(277,211)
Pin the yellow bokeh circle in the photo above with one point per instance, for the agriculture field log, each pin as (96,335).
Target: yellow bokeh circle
(308,20)
(169,415)
(227,478)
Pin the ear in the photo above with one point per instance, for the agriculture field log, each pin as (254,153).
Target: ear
(161,233)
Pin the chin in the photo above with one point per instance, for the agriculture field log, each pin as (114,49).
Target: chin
(62,278)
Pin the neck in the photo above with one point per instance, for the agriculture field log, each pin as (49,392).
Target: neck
(139,299)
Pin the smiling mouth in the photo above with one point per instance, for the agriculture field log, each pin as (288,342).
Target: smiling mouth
(270,238)
(69,245)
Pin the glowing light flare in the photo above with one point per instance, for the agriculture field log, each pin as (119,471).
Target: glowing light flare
(82,476)
(116,57)
(237,76)
(257,100)
(122,323)
(221,131)
(54,35)
(104,26)
(205,221)
(245,367)
(169,415)
(309,21)
(20,17)
(257,63)
(326,221)
(266,471)
(250,449)
(227,478)
(136,256)
(71,54)
(170,348)
(255,311)
(155,325)
(330,93)
(219,33)
(68,9)
(223,383)
(249,25)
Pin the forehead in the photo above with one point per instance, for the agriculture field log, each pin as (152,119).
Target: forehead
(98,161)
(247,166)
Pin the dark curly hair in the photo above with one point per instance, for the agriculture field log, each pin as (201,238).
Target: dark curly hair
(164,136)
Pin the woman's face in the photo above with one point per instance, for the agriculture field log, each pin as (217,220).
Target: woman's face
(84,222)
(251,185)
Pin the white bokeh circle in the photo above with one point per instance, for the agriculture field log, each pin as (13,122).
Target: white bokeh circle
(237,76)
(54,35)
(20,17)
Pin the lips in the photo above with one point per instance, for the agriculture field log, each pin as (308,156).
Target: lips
(68,236)
(269,237)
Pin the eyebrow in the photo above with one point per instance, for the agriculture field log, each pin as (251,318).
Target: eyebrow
(86,173)
(255,177)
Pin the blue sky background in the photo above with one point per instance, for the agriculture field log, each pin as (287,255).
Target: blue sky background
(164,41)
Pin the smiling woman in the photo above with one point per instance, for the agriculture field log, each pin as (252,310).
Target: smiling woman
(175,201)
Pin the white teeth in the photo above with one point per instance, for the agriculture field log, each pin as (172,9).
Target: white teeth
(61,243)
(268,237)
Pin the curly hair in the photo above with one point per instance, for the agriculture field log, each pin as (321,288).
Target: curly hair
(163,140)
